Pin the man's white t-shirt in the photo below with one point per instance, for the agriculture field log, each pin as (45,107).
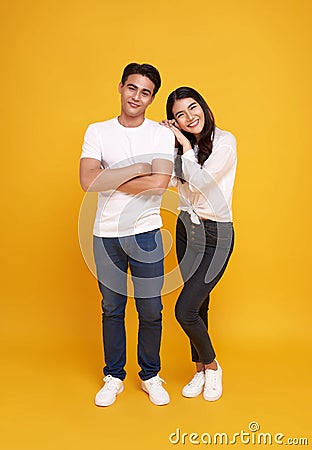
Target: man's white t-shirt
(118,213)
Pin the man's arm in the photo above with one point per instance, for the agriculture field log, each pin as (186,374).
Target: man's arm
(95,179)
(154,184)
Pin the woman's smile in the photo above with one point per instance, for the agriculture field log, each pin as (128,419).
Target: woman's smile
(189,115)
(194,123)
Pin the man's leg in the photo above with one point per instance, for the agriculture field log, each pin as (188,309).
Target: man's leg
(111,263)
(147,270)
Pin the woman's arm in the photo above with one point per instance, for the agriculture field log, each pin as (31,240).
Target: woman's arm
(221,160)
(180,138)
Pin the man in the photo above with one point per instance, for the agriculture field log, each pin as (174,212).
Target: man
(128,161)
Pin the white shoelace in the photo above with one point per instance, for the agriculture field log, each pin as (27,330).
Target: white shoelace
(156,381)
(211,380)
(111,383)
(196,380)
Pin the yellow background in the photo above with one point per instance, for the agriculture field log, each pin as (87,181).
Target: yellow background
(61,63)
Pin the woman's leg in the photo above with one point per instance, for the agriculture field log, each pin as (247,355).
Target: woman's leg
(187,309)
(192,304)
(203,313)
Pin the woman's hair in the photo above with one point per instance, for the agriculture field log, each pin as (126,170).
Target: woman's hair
(207,134)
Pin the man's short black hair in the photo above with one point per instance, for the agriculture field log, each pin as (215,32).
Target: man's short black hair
(142,69)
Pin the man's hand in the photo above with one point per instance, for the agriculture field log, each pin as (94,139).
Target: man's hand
(143,168)
(95,179)
(154,184)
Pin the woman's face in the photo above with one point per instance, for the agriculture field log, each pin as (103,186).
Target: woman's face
(189,115)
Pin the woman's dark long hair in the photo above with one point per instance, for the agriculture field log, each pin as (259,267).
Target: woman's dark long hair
(207,134)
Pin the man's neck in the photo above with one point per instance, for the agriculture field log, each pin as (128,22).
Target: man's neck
(130,122)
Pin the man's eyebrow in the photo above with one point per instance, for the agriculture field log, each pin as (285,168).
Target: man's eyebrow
(191,104)
(136,87)
(132,85)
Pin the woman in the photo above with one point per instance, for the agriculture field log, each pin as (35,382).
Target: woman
(205,167)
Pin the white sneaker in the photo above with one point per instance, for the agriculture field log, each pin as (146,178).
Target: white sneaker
(195,386)
(157,394)
(107,395)
(213,384)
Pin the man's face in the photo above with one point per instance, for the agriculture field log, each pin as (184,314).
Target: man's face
(136,95)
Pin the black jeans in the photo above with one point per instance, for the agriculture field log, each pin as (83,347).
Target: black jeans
(203,252)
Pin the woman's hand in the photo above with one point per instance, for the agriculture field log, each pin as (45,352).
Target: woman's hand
(180,138)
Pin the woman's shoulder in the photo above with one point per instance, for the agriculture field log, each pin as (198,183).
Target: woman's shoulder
(223,137)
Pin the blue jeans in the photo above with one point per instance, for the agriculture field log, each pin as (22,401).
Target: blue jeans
(143,254)
(203,252)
